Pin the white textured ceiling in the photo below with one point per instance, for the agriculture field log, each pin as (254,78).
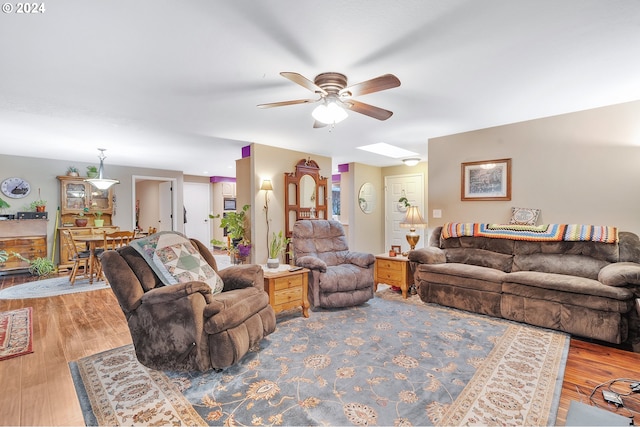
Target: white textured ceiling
(175,84)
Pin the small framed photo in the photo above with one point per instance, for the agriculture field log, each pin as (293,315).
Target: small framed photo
(396,249)
(486,180)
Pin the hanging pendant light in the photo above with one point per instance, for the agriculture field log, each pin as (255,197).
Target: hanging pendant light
(102,183)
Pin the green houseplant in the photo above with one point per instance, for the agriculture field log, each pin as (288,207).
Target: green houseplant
(234,222)
(3,204)
(38,205)
(277,245)
(40,266)
(98,222)
(72,171)
(92,171)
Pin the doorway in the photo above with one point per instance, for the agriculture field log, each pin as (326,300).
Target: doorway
(197,205)
(155,203)
(411,187)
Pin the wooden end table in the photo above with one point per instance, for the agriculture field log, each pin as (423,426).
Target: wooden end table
(394,271)
(287,289)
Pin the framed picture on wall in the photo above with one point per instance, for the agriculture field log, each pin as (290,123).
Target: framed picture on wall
(486,180)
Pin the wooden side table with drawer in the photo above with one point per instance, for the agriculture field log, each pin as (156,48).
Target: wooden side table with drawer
(394,271)
(287,289)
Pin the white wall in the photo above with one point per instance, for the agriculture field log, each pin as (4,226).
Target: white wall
(580,168)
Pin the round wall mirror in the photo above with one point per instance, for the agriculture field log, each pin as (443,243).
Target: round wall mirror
(367,198)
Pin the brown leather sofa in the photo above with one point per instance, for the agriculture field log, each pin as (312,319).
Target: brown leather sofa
(184,326)
(339,277)
(588,289)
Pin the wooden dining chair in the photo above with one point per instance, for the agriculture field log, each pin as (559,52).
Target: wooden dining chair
(78,258)
(111,242)
(117,239)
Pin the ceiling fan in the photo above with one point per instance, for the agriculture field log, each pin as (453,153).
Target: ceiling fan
(336,97)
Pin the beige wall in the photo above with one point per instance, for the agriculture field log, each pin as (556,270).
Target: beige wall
(148,195)
(365,230)
(582,167)
(42,173)
(272,163)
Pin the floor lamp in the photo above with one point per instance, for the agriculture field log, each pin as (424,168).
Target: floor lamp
(266,186)
(412,220)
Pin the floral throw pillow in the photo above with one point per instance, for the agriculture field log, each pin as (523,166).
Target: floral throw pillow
(524,216)
(175,260)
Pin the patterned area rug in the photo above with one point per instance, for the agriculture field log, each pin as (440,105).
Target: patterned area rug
(16,333)
(383,363)
(50,287)
(60,285)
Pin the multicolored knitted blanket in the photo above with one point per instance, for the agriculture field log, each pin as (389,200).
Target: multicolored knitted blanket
(533,233)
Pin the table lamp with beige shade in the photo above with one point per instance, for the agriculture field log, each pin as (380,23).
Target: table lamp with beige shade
(412,220)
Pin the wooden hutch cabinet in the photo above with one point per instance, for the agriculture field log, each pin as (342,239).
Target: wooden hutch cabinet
(305,194)
(75,195)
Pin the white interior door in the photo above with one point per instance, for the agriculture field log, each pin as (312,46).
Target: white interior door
(165,206)
(411,187)
(197,204)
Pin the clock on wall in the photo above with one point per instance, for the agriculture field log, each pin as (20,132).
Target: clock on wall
(15,188)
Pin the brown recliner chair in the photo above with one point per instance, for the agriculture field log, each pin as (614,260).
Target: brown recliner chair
(183,326)
(339,277)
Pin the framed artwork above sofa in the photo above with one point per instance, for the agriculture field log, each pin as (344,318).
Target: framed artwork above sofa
(486,180)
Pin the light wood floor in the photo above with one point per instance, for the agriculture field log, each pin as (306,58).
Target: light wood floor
(36,389)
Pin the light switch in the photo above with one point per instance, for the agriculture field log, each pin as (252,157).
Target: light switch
(437,213)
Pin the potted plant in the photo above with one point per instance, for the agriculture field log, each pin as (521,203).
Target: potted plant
(277,245)
(3,204)
(98,222)
(72,171)
(92,171)
(39,205)
(81,221)
(4,256)
(243,249)
(40,266)
(234,222)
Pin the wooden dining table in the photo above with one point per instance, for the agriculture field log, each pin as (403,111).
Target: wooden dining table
(91,241)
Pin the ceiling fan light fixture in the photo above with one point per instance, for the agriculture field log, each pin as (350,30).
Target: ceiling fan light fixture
(329,113)
(412,161)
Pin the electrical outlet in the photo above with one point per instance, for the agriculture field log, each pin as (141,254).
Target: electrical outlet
(437,213)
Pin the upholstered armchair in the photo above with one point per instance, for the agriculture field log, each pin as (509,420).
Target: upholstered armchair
(339,277)
(184,326)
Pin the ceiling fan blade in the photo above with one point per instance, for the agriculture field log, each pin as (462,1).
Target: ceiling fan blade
(387,81)
(368,110)
(283,103)
(303,81)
